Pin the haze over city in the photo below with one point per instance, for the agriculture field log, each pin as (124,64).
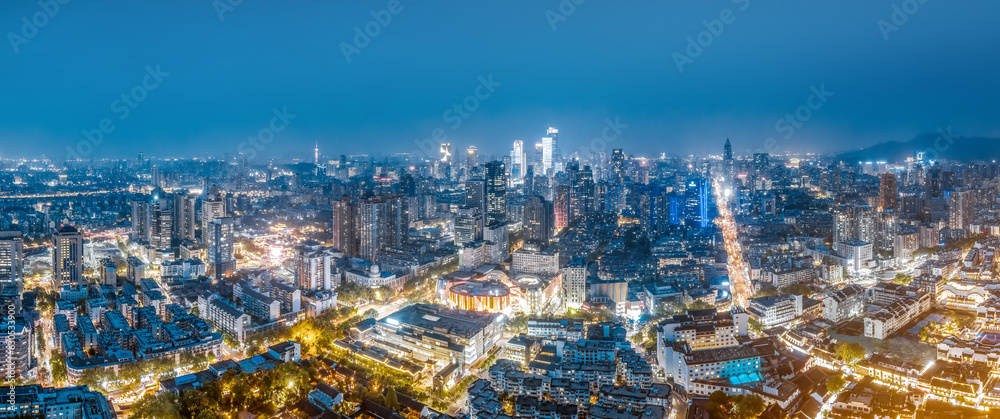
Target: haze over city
(569,66)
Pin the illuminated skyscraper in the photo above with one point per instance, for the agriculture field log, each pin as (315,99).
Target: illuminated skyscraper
(518,161)
(11,260)
(539,221)
(446,153)
(472,157)
(221,256)
(185,218)
(617,165)
(214,206)
(343,227)
(547,156)
(887,191)
(496,192)
(67,257)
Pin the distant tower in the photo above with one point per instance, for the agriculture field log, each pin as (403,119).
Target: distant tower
(727,161)
(472,158)
(316,161)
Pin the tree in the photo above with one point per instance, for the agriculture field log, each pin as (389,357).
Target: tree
(756,326)
(798,289)
(902,279)
(748,406)
(391,401)
(699,305)
(836,383)
(162,406)
(58,365)
(849,352)
(371,313)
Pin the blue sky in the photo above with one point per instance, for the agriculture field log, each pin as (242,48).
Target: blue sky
(603,60)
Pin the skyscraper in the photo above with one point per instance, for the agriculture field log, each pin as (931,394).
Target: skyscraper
(141,218)
(547,156)
(342,228)
(214,206)
(887,192)
(728,164)
(617,165)
(469,225)
(854,223)
(185,218)
(539,221)
(314,267)
(161,219)
(560,207)
(221,257)
(475,194)
(518,161)
(446,153)
(471,158)
(381,224)
(11,260)
(496,192)
(67,257)
(582,194)
(961,209)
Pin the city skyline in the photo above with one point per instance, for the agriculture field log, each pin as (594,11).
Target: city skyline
(571,68)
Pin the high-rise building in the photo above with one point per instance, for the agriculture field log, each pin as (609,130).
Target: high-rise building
(761,162)
(495,192)
(582,195)
(854,223)
(11,261)
(221,256)
(214,206)
(575,282)
(475,194)
(560,207)
(185,218)
(547,150)
(446,153)
(469,222)
(381,224)
(342,227)
(161,219)
(141,218)
(728,164)
(518,162)
(554,135)
(617,165)
(961,209)
(471,158)
(314,267)
(67,257)
(888,197)
(539,222)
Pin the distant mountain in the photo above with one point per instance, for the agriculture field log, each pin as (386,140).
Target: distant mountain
(940,145)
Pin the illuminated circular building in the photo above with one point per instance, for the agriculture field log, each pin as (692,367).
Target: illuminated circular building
(478,295)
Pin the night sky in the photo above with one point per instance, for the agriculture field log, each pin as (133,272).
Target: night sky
(574,69)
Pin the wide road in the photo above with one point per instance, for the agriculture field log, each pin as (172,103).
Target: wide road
(738,282)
